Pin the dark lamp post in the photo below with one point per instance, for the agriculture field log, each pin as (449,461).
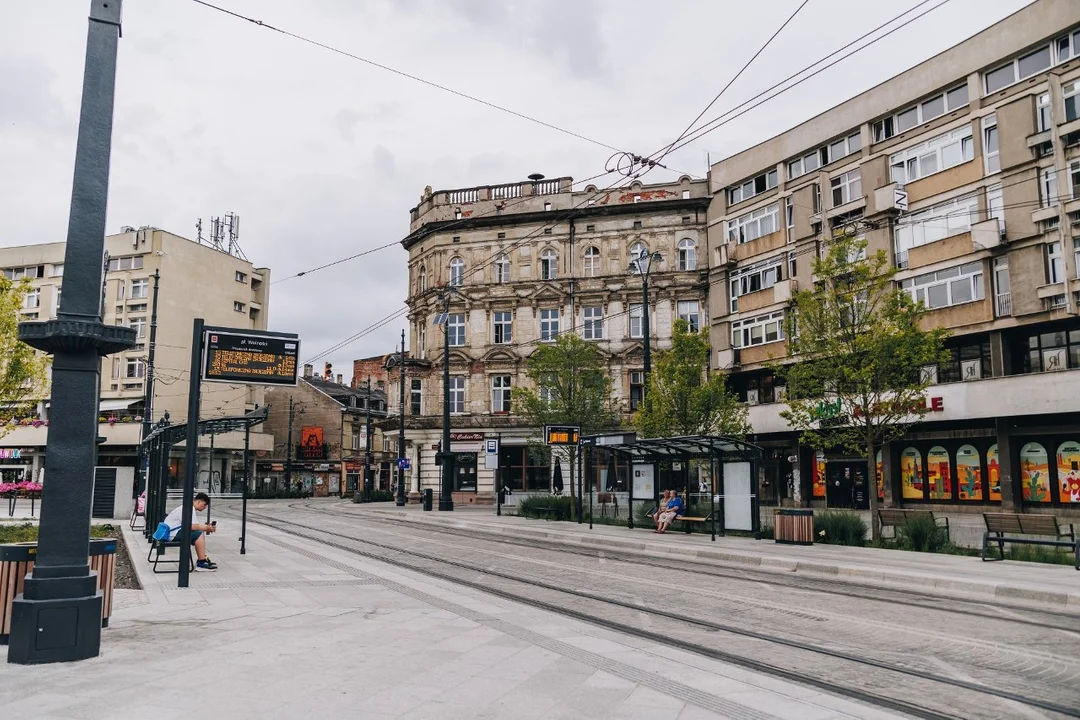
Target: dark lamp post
(445,457)
(643,265)
(399,499)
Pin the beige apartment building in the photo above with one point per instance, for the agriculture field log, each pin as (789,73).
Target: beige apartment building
(966,171)
(529,261)
(196,280)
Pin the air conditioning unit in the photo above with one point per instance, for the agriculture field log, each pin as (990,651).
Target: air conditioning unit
(780,393)
(752,397)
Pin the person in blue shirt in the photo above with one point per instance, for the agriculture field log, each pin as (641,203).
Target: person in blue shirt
(674,510)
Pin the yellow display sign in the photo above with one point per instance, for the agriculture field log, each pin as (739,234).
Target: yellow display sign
(561,434)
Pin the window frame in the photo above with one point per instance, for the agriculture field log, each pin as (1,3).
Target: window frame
(691,315)
(416,397)
(457,271)
(823,155)
(744,278)
(502,270)
(889,126)
(501,387)
(736,228)
(910,160)
(592,325)
(502,324)
(549,324)
(1055,263)
(991,160)
(743,191)
(743,330)
(455,324)
(964,210)
(458,387)
(590,265)
(687,250)
(549,264)
(1071,92)
(139,366)
(847,186)
(635,314)
(636,394)
(946,278)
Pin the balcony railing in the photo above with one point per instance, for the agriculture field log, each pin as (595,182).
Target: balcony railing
(1003,306)
(464,196)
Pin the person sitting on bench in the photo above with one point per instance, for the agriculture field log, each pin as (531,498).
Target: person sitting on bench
(674,509)
(199,529)
(655,515)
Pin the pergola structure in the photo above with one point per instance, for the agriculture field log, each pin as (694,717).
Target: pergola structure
(160,442)
(726,456)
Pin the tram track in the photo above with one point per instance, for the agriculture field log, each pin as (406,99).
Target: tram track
(491,580)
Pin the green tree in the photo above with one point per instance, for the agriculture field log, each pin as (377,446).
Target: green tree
(23,371)
(859,345)
(684,398)
(571,385)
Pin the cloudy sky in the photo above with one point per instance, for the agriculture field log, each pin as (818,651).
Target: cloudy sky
(323,155)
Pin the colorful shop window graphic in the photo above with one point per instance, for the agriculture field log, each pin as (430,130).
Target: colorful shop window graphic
(819,474)
(1068,467)
(878,479)
(993,471)
(1035,473)
(969,473)
(911,474)
(938,474)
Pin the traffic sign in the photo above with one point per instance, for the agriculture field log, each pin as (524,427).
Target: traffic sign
(900,199)
(403,463)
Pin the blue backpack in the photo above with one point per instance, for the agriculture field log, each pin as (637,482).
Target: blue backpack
(163,532)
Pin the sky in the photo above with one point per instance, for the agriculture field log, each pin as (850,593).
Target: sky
(323,156)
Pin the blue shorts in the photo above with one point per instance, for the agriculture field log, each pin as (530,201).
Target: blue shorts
(194,535)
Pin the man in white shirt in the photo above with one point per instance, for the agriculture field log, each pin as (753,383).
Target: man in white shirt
(199,529)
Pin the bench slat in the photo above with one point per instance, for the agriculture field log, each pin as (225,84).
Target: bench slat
(1002,522)
(1039,525)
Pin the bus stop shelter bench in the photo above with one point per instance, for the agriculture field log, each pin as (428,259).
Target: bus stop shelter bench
(689,521)
(1036,529)
(157,552)
(895,517)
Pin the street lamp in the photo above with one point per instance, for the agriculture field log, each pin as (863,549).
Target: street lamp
(642,265)
(399,499)
(445,458)
(369,479)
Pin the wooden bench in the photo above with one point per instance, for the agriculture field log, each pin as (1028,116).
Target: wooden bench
(895,517)
(1005,527)
(160,546)
(689,521)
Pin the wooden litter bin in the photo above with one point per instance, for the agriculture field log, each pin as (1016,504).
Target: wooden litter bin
(793,526)
(17,561)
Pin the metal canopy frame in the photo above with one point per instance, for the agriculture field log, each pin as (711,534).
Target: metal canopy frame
(718,449)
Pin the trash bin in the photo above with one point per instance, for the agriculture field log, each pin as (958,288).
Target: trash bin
(793,526)
(428,498)
(17,561)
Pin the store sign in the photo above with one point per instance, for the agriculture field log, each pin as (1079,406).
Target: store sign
(466,437)
(561,434)
(10,453)
(238,356)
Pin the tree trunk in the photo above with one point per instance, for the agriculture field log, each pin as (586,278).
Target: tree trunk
(871,473)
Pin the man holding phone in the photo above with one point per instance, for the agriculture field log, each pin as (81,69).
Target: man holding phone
(199,529)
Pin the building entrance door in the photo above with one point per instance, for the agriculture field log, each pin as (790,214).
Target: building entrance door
(465,472)
(845,485)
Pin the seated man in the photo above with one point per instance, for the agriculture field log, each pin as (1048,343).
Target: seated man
(674,509)
(199,530)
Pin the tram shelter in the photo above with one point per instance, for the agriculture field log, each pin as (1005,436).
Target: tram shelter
(726,493)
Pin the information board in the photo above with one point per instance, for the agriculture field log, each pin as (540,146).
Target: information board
(235,357)
(561,434)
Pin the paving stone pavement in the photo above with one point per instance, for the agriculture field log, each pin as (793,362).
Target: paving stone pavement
(294,628)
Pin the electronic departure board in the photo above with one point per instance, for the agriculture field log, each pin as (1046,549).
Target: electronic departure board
(236,357)
(561,434)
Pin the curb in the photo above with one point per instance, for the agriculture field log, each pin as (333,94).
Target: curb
(854,574)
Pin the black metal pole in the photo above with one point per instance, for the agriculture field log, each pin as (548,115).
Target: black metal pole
(580,486)
(712,495)
(148,397)
(368,478)
(446,458)
(243,506)
(57,617)
(399,500)
(210,475)
(498,479)
(191,452)
(289,450)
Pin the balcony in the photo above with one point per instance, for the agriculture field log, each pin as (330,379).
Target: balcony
(1003,305)
(781,292)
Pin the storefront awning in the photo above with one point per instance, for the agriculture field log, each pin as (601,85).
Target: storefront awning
(111,404)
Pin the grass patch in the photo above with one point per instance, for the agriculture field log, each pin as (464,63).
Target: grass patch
(1040,554)
(922,534)
(534,506)
(28,532)
(837,527)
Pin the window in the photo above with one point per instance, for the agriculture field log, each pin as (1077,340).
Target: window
(846,187)
(500,393)
(549,324)
(688,310)
(594,323)
(140,288)
(637,389)
(56,302)
(32,299)
(416,397)
(932,156)
(502,270)
(637,224)
(590,228)
(1076,255)
(824,155)
(757,223)
(455,323)
(758,331)
(1048,186)
(421,339)
(121,289)
(592,262)
(1074,180)
(756,277)
(1055,263)
(457,394)
(115,369)
(457,272)
(991,151)
(241,277)
(1032,63)
(1002,293)
(135,368)
(423,278)
(548,231)
(58,270)
(549,264)
(504,327)
(139,326)
(547,207)
(635,321)
(933,224)
(966,363)
(134,262)
(636,251)
(923,112)
(1050,351)
(1071,95)
(755,186)
(238,306)
(1043,121)
(687,254)
(944,288)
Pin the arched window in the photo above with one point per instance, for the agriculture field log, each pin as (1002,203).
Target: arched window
(993,474)
(911,474)
(635,252)
(549,264)
(1035,473)
(687,254)
(938,475)
(592,262)
(969,473)
(457,272)
(421,282)
(1068,471)
(502,269)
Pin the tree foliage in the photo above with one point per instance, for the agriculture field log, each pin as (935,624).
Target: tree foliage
(683,398)
(859,348)
(23,371)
